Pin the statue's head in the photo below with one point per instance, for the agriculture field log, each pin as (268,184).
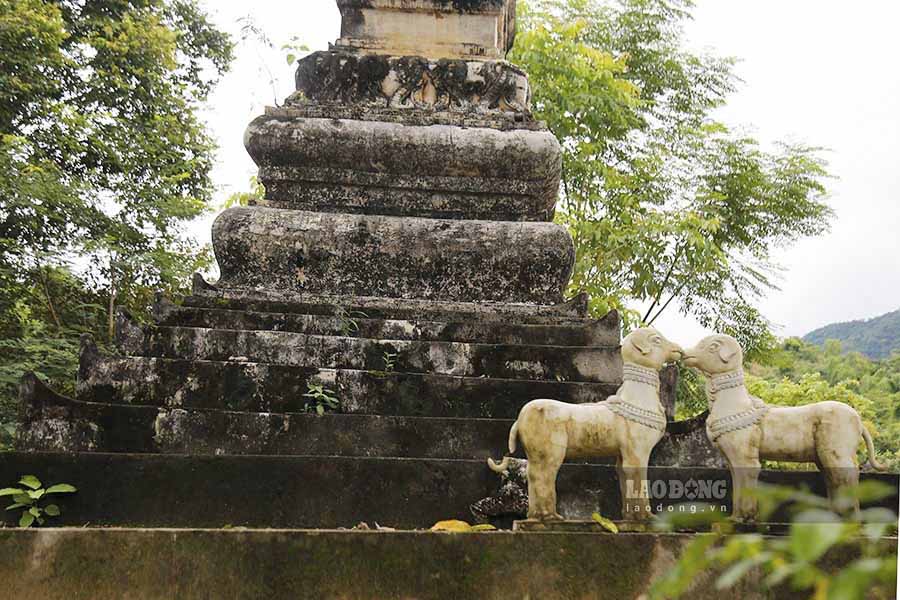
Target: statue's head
(646,347)
(715,354)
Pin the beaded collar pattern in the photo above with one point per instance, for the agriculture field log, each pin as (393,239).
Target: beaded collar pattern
(737,421)
(639,374)
(654,419)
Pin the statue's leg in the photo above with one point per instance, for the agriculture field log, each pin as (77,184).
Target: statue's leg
(841,475)
(634,478)
(743,463)
(836,445)
(542,473)
(623,488)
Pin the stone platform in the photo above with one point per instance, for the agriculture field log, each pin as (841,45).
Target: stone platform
(147,490)
(188,564)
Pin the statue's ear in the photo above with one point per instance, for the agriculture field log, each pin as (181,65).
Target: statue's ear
(641,344)
(726,352)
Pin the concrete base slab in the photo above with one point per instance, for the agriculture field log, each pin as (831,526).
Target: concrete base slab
(100,564)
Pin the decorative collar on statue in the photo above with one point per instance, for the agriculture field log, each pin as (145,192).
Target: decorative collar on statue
(723,381)
(639,374)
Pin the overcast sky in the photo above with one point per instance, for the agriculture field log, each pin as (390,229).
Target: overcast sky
(820,72)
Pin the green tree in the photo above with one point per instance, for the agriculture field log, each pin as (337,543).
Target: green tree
(102,160)
(102,154)
(664,203)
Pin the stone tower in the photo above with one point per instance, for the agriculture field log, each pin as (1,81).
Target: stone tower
(403,268)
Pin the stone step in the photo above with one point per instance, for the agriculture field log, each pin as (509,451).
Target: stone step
(248,564)
(146,490)
(52,422)
(563,363)
(358,324)
(59,424)
(573,311)
(262,387)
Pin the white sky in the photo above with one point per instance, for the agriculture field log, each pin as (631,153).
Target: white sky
(819,72)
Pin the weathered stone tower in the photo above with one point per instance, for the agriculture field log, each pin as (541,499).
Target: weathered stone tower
(403,259)
(404,267)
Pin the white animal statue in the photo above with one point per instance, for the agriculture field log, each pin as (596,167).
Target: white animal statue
(626,426)
(746,429)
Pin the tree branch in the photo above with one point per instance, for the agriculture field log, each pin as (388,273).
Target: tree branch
(46,289)
(665,282)
(668,302)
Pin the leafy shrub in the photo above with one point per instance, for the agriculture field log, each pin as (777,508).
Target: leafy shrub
(29,497)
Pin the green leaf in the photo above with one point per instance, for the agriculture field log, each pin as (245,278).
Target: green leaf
(35,511)
(735,573)
(24,499)
(26,520)
(52,510)
(607,524)
(61,488)
(780,573)
(35,494)
(30,481)
(11,492)
(852,582)
(15,506)
(812,533)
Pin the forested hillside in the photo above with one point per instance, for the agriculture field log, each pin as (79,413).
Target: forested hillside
(798,373)
(876,338)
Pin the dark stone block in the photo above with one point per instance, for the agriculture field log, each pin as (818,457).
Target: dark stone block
(147,429)
(381,81)
(376,167)
(358,325)
(428,259)
(270,491)
(563,363)
(686,444)
(259,387)
(206,295)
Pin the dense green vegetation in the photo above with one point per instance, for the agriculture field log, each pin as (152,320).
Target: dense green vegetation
(876,338)
(102,160)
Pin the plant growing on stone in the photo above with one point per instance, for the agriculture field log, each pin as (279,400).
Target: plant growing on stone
(322,400)
(347,320)
(30,496)
(390,361)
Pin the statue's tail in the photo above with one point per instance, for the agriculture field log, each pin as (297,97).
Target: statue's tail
(501,468)
(513,434)
(870,447)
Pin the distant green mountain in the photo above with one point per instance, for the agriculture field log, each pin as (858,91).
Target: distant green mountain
(876,338)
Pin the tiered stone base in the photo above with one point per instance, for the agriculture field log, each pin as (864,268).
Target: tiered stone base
(228,373)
